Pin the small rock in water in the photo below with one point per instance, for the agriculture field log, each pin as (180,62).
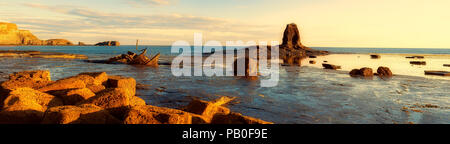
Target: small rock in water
(418,62)
(330,66)
(384,72)
(364,72)
(417,57)
(375,56)
(447,65)
(312,62)
(312,56)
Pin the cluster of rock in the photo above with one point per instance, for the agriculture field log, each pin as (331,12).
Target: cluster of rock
(11,35)
(31,97)
(135,59)
(108,43)
(368,72)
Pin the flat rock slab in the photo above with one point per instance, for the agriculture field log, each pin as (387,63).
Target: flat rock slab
(439,73)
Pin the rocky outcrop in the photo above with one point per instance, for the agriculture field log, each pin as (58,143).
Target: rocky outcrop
(108,43)
(38,54)
(58,42)
(11,35)
(71,101)
(292,51)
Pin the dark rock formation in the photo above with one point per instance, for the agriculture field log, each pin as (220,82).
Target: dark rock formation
(418,62)
(292,51)
(384,72)
(330,66)
(108,43)
(364,72)
(291,38)
(375,56)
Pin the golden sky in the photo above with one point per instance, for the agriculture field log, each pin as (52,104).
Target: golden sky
(323,23)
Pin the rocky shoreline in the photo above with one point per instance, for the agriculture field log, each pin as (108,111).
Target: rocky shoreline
(31,97)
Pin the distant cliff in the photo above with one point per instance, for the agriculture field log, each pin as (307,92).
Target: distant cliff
(11,35)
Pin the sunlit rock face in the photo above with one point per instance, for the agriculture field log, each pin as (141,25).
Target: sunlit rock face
(291,38)
(11,35)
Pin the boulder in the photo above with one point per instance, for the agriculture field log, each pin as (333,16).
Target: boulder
(330,66)
(122,82)
(90,80)
(312,62)
(364,72)
(206,110)
(375,56)
(82,114)
(236,118)
(26,106)
(73,96)
(116,100)
(156,115)
(31,79)
(384,72)
(64,84)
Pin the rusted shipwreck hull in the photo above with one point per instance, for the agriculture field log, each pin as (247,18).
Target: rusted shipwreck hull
(134,59)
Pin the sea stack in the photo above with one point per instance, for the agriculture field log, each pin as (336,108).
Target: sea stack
(291,38)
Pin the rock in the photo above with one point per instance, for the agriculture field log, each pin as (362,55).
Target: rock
(26,106)
(108,43)
(418,62)
(64,84)
(122,82)
(73,96)
(291,37)
(111,98)
(364,72)
(312,56)
(384,72)
(330,66)
(446,65)
(375,56)
(312,62)
(58,42)
(156,115)
(31,79)
(438,73)
(206,110)
(96,88)
(24,96)
(417,57)
(82,114)
(81,44)
(82,80)
(236,118)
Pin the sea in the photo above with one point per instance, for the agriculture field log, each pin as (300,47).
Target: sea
(306,94)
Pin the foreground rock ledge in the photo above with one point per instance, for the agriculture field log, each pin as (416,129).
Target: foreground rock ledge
(31,97)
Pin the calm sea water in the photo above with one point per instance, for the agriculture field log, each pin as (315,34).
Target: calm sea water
(306,94)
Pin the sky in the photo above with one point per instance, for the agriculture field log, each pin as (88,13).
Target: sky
(322,23)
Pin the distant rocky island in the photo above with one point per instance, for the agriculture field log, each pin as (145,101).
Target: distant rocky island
(10,34)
